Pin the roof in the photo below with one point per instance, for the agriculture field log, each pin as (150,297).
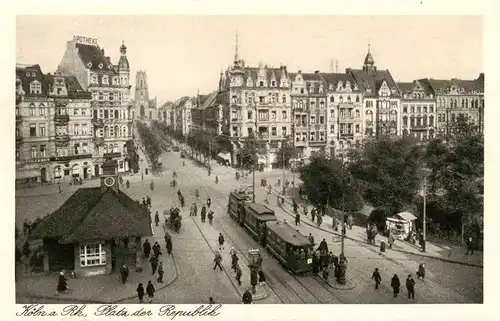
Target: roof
(259,208)
(288,234)
(209,101)
(27,73)
(240,195)
(268,73)
(442,86)
(72,84)
(95,56)
(372,80)
(405,86)
(407,216)
(335,78)
(90,214)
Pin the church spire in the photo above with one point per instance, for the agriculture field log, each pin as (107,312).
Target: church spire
(236,56)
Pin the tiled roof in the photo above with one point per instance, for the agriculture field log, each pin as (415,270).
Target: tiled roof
(72,84)
(253,72)
(90,214)
(373,80)
(288,233)
(27,74)
(409,87)
(209,101)
(334,78)
(443,85)
(405,86)
(94,55)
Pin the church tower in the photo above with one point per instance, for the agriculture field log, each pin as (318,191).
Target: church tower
(141,96)
(369,63)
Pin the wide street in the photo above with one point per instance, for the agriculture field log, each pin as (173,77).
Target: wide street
(194,246)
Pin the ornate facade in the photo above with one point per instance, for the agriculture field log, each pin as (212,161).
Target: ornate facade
(111,104)
(143,107)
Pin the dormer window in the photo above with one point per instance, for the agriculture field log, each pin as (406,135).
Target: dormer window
(28,74)
(330,87)
(273,83)
(93,79)
(35,87)
(321,89)
(89,65)
(261,83)
(110,66)
(116,81)
(33,74)
(105,80)
(348,84)
(100,66)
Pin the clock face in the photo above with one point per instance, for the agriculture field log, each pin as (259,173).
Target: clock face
(109,181)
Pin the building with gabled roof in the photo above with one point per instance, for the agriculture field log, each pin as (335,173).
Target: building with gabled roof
(381,99)
(94,228)
(109,85)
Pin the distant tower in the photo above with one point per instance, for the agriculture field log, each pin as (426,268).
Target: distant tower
(369,63)
(141,96)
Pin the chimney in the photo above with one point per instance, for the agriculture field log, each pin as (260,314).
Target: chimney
(316,72)
(109,177)
(102,51)
(300,71)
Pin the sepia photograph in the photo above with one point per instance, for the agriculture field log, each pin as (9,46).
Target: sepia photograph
(249,159)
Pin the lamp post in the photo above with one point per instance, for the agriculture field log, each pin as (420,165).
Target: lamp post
(255,160)
(342,261)
(425,172)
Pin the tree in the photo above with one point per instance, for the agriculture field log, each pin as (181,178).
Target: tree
(288,151)
(326,182)
(248,155)
(390,172)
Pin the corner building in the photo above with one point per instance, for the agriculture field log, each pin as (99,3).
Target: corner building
(110,88)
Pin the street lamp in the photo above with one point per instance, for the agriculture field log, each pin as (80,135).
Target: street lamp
(255,160)
(425,172)
(342,261)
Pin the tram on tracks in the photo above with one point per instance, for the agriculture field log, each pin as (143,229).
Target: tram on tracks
(291,248)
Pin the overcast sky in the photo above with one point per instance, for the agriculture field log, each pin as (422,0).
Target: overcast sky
(182,54)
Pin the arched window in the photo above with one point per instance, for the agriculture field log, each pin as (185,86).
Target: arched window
(332,99)
(369,115)
(412,121)
(41,109)
(424,119)
(357,98)
(348,99)
(431,121)
(106,131)
(117,131)
(393,116)
(341,99)
(32,110)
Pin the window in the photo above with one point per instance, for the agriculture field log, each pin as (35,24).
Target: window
(342,113)
(41,109)
(405,108)
(301,90)
(342,128)
(33,151)
(234,115)
(32,130)
(116,114)
(42,130)
(111,96)
(111,114)
(431,121)
(312,104)
(332,113)
(35,87)
(249,114)
(357,128)
(84,111)
(283,99)
(405,121)
(412,108)
(273,114)
(105,80)
(95,95)
(453,118)
(357,99)
(32,110)
(273,83)
(274,131)
(92,255)
(283,131)
(332,99)
(85,129)
(321,104)
(43,148)
(425,109)
(263,115)
(106,114)
(77,149)
(357,114)
(116,81)
(321,120)
(312,136)
(349,128)
(283,114)
(332,129)
(85,148)
(313,119)
(261,83)
(93,79)
(322,136)
(75,111)
(76,129)
(418,109)
(111,131)
(431,109)
(261,99)
(101,96)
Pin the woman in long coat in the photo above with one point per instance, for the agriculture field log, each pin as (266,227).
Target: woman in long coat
(62,286)
(395,284)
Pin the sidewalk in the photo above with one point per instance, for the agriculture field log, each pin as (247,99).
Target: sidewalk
(433,250)
(95,289)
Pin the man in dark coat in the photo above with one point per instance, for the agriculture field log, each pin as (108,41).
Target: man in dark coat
(234,261)
(150,290)
(247,297)
(410,286)
(221,241)
(238,274)
(124,273)
(154,263)
(253,279)
(156,249)
(262,277)
(148,201)
(144,202)
(146,248)
(323,247)
(295,207)
(160,273)
(209,202)
(203,214)
(218,260)
(421,271)
(168,243)
(313,214)
(310,238)
(297,219)
(395,284)
(62,286)
(157,218)
(140,292)
(210,217)
(376,276)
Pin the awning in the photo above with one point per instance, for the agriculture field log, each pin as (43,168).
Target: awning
(406,216)
(225,156)
(27,174)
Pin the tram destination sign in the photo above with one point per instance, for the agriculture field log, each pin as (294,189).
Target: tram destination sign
(85,40)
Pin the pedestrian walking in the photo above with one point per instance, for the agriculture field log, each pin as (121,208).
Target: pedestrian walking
(390,240)
(319,219)
(470,246)
(140,292)
(218,260)
(210,217)
(221,241)
(152,186)
(146,248)
(313,214)
(62,285)
(295,206)
(144,202)
(395,284)
(157,218)
(156,249)
(410,286)
(209,202)
(150,290)
(154,263)
(148,201)
(247,297)
(297,219)
(124,273)
(238,274)
(377,278)
(310,238)
(216,179)
(168,243)
(234,261)
(323,247)
(160,273)
(203,214)
(421,271)
(304,208)
(127,183)
(325,275)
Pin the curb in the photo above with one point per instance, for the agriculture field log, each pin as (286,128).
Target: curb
(67,299)
(358,241)
(350,284)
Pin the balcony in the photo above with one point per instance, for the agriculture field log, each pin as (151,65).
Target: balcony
(317,142)
(112,155)
(98,123)
(346,135)
(19,119)
(61,120)
(70,157)
(37,160)
(62,140)
(61,102)
(99,141)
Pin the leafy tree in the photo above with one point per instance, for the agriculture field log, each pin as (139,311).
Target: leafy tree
(248,154)
(390,172)
(326,182)
(286,152)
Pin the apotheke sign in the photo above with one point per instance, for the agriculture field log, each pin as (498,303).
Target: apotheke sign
(85,40)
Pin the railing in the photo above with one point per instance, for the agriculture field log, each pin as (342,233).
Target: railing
(347,135)
(61,119)
(112,155)
(61,102)
(97,122)
(62,140)
(36,160)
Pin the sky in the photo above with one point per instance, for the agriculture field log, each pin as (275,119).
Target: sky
(184,54)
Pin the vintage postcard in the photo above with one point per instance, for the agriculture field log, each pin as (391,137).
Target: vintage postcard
(180,165)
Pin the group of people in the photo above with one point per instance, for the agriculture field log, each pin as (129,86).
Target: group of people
(203,214)
(396,283)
